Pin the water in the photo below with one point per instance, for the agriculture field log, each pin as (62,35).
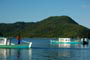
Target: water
(43,50)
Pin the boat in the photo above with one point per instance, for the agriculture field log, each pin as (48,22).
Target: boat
(85,41)
(65,41)
(6,43)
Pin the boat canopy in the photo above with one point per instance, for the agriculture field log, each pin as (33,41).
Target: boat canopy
(3,41)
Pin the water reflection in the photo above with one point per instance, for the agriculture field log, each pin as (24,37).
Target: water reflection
(3,53)
(16,54)
(64,45)
(52,54)
(60,54)
(69,45)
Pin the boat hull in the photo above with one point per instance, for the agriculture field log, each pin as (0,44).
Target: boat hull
(15,46)
(57,42)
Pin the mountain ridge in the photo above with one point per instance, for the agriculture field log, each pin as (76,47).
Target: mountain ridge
(53,26)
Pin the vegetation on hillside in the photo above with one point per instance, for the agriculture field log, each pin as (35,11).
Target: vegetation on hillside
(54,26)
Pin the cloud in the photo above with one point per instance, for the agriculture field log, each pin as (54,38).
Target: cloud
(86,6)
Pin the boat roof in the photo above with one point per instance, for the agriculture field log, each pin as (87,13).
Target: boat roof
(2,37)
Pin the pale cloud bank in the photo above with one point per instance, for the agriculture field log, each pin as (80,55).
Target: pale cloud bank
(86,6)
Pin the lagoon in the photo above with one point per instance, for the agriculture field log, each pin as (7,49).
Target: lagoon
(43,50)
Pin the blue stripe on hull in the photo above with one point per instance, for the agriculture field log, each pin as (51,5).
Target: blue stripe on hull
(65,42)
(56,42)
(13,46)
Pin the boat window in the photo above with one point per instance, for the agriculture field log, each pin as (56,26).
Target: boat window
(66,40)
(1,40)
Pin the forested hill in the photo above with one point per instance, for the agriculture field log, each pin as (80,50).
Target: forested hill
(54,26)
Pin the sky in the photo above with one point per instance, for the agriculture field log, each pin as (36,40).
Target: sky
(12,11)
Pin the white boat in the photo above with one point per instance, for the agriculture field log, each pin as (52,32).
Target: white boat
(65,41)
(6,43)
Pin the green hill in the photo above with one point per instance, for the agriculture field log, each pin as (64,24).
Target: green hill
(54,26)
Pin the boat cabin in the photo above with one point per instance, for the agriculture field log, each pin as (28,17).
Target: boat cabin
(4,41)
(64,40)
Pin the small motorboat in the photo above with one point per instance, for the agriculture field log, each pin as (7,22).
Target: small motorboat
(6,43)
(65,41)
